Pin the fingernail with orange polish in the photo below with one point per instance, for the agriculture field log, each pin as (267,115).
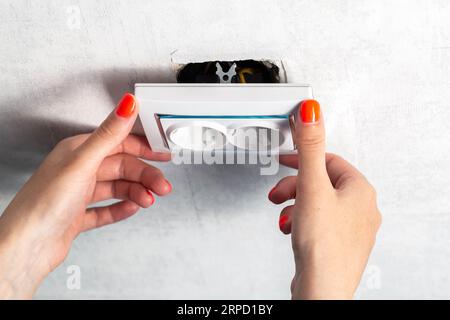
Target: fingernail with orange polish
(126,106)
(310,111)
(282,222)
(151,197)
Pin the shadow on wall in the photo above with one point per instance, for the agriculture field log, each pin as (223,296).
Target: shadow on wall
(27,135)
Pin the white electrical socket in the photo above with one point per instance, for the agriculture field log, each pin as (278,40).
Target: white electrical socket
(226,117)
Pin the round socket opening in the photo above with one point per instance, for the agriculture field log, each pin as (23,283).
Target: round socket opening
(256,138)
(197,137)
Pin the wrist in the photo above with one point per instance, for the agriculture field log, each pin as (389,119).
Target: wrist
(21,270)
(321,276)
(305,287)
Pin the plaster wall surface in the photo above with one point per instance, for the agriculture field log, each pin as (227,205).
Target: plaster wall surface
(379,68)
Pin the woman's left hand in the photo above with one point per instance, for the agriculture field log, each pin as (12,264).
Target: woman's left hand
(39,225)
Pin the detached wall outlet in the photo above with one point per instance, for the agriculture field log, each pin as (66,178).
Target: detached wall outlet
(220,116)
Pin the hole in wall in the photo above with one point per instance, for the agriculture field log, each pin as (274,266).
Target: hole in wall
(246,71)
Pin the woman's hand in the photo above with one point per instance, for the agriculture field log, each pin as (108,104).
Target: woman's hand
(39,225)
(335,218)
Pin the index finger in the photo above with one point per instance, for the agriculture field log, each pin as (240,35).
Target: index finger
(289,160)
(139,147)
(133,145)
(339,170)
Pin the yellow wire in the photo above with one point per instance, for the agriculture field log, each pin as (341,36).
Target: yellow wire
(244,71)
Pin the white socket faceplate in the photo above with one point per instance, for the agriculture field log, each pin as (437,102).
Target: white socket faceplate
(219,116)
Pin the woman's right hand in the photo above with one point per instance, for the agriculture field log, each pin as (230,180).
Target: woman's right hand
(335,218)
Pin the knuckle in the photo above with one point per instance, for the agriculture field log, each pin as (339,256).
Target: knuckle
(157,173)
(330,158)
(374,223)
(372,193)
(105,131)
(124,163)
(365,190)
(311,141)
(375,217)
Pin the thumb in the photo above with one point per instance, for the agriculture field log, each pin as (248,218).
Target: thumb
(310,142)
(114,129)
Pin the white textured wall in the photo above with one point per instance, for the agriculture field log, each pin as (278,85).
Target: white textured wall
(379,68)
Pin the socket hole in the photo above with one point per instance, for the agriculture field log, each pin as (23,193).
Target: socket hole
(197,137)
(256,138)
